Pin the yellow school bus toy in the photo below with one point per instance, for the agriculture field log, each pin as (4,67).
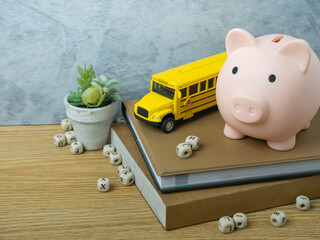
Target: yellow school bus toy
(180,92)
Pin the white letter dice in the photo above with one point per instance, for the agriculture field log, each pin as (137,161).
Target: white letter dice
(240,220)
(59,140)
(127,178)
(302,203)
(107,149)
(184,150)
(115,158)
(278,218)
(66,125)
(76,147)
(226,224)
(194,141)
(123,168)
(103,184)
(70,136)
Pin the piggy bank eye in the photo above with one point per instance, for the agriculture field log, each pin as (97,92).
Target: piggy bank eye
(272,78)
(235,70)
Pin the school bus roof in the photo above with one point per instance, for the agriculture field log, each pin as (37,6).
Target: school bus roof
(188,73)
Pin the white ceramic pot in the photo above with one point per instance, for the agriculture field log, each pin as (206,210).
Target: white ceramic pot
(91,125)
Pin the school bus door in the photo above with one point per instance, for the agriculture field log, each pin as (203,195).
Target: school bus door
(184,104)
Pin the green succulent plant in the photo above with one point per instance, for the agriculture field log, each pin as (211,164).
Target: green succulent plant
(94,92)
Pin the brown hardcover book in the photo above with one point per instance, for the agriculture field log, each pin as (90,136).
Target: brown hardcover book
(179,209)
(219,161)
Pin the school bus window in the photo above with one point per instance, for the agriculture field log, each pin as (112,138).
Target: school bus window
(183,92)
(203,86)
(210,83)
(215,83)
(193,89)
(162,90)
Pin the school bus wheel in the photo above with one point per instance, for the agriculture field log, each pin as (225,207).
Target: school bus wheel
(167,125)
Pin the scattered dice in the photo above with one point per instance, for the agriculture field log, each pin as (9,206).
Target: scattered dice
(103,184)
(226,224)
(278,218)
(66,125)
(240,220)
(184,150)
(59,140)
(302,203)
(107,149)
(70,136)
(76,147)
(121,120)
(123,168)
(194,141)
(115,158)
(127,178)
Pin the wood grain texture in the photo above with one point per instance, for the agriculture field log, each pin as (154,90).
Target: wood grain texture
(46,192)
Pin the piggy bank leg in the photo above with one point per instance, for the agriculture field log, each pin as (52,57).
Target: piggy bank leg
(283,145)
(230,132)
(306,127)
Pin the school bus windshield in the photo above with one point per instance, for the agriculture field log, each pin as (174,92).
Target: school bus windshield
(163,90)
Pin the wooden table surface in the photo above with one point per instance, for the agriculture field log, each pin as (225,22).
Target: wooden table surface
(46,192)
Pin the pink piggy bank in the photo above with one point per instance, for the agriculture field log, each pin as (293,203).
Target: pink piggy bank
(268,88)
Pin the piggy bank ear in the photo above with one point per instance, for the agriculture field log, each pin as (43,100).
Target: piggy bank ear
(299,51)
(239,38)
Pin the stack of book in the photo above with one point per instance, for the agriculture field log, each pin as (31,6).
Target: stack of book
(222,177)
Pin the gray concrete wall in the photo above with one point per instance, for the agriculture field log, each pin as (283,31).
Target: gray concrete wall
(42,42)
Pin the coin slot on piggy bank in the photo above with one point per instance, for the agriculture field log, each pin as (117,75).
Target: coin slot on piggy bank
(277,38)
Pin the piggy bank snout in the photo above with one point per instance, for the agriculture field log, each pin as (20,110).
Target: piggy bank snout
(249,108)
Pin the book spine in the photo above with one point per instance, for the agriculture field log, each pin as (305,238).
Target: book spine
(142,182)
